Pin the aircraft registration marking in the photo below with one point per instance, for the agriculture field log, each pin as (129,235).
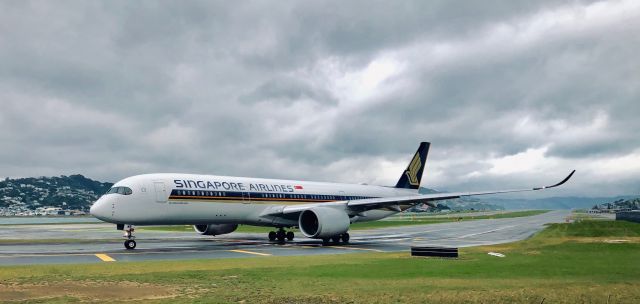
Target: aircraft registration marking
(250,252)
(104,257)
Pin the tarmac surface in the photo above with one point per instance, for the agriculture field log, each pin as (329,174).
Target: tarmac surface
(93,243)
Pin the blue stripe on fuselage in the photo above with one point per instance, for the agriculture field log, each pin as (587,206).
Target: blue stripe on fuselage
(259,196)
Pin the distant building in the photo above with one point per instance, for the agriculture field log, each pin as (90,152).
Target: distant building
(49,211)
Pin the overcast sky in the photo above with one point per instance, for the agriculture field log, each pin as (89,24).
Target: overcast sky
(509,93)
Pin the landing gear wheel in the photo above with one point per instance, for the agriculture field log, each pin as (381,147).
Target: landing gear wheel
(281,236)
(345,237)
(335,239)
(272,236)
(290,236)
(325,241)
(130,244)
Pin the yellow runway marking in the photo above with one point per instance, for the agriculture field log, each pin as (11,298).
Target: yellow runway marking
(250,252)
(104,257)
(356,248)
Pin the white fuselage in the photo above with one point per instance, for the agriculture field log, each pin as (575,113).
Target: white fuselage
(165,199)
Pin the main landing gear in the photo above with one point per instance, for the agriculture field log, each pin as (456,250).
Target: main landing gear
(130,243)
(281,235)
(336,239)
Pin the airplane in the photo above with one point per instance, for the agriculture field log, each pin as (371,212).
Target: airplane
(216,205)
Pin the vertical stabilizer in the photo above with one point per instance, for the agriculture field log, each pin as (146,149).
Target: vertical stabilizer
(412,176)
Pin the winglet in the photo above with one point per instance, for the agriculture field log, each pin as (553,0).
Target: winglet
(558,184)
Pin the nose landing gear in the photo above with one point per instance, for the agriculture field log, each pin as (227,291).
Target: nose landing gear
(130,243)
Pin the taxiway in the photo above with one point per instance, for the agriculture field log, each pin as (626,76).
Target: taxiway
(90,243)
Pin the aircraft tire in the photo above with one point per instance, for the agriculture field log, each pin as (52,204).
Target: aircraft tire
(281,236)
(326,241)
(130,244)
(272,236)
(290,236)
(345,237)
(336,239)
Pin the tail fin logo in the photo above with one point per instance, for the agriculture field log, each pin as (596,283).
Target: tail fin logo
(412,171)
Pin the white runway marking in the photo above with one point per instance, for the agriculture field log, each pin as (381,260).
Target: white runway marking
(484,232)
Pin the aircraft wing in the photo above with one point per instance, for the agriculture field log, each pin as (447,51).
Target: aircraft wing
(394,203)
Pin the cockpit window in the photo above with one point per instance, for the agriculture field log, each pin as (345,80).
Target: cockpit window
(120,190)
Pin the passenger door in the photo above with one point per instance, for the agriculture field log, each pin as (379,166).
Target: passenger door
(161,192)
(246,197)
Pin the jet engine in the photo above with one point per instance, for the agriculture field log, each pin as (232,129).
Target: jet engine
(215,229)
(323,222)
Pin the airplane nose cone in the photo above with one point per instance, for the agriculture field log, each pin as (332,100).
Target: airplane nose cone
(100,210)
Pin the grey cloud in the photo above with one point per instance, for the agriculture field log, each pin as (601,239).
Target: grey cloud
(243,87)
(287,90)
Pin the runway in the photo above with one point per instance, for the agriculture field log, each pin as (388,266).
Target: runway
(98,243)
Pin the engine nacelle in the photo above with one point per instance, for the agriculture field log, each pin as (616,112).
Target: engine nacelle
(323,222)
(215,229)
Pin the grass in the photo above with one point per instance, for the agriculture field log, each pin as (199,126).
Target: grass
(566,263)
(56,241)
(590,228)
(51,224)
(367,225)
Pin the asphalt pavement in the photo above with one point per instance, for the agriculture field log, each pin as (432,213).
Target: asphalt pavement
(98,243)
